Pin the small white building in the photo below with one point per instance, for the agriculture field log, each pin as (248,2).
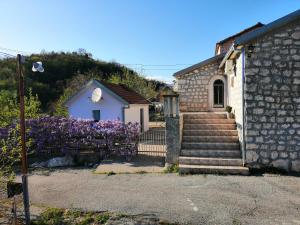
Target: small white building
(116,101)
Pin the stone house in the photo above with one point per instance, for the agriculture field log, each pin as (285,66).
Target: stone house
(257,73)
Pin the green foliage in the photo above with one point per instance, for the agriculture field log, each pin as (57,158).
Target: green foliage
(228,109)
(172,169)
(102,218)
(61,68)
(10,154)
(131,80)
(10,108)
(137,83)
(54,216)
(10,148)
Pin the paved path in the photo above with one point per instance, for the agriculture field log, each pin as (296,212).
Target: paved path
(139,164)
(188,200)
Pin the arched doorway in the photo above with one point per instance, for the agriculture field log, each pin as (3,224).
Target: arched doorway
(218,94)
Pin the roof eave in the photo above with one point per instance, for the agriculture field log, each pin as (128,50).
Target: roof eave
(228,54)
(196,66)
(98,84)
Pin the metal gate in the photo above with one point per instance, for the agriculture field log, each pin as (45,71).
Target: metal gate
(153,142)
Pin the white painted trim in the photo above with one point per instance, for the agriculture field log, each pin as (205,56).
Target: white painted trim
(211,92)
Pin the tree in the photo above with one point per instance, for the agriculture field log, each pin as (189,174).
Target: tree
(10,107)
(61,68)
(10,155)
(136,83)
(10,147)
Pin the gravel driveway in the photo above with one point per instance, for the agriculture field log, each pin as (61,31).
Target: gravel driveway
(202,199)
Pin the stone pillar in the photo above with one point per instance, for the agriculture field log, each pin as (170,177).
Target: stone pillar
(171,111)
(172,140)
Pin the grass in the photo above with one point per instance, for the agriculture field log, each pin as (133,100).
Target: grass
(172,169)
(55,216)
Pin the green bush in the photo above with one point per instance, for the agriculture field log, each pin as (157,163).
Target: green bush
(228,109)
(10,109)
(172,169)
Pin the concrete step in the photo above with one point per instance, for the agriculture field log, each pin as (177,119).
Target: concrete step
(194,169)
(211,139)
(209,115)
(187,132)
(216,153)
(209,121)
(206,145)
(209,126)
(210,161)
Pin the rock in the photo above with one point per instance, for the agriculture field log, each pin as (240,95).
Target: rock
(293,155)
(39,164)
(270,99)
(251,156)
(296,35)
(274,155)
(296,81)
(95,166)
(283,154)
(296,57)
(258,111)
(296,165)
(287,42)
(281,164)
(60,161)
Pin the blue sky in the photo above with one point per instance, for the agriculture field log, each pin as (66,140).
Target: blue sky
(154,37)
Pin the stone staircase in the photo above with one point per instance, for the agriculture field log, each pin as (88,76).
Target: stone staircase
(210,145)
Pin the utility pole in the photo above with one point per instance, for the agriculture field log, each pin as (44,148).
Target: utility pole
(23,140)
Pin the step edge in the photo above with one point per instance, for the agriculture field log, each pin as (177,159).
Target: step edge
(213,167)
(217,143)
(208,158)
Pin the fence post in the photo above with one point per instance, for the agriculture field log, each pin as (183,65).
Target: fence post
(171,113)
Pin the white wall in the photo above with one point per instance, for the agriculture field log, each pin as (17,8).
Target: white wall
(132,114)
(235,94)
(82,106)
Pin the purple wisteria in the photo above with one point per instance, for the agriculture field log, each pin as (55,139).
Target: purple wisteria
(66,135)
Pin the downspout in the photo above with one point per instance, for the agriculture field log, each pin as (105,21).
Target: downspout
(243,109)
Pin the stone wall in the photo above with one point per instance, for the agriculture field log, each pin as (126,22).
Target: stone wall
(193,88)
(272,100)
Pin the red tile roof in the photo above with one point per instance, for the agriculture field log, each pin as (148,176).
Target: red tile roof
(126,93)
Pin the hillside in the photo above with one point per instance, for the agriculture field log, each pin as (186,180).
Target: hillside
(68,71)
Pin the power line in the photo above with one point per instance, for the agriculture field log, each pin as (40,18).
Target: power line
(157,65)
(160,69)
(16,50)
(7,55)
(136,66)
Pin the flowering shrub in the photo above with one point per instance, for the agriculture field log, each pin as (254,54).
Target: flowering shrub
(65,135)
